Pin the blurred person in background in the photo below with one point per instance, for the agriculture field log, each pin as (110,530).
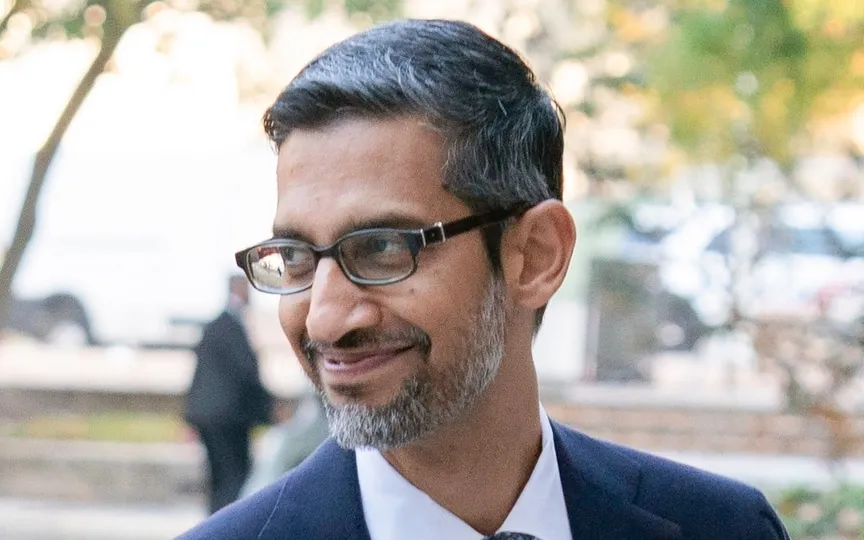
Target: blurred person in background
(419,235)
(226,398)
(287,444)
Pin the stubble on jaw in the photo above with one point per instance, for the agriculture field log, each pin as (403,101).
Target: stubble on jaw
(427,399)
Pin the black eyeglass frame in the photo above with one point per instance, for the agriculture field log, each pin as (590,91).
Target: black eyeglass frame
(416,239)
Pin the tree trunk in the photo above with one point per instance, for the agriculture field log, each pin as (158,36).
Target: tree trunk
(117,22)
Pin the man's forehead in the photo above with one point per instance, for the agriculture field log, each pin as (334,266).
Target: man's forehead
(324,211)
(385,134)
(359,172)
(341,225)
(357,196)
(323,220)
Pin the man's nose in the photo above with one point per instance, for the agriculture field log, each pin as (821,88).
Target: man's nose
(337,305)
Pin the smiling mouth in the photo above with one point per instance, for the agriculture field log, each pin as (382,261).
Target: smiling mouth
(356,363)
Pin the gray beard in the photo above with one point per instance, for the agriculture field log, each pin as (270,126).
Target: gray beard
(429,399)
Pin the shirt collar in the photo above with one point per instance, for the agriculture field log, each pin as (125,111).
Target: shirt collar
(394,508)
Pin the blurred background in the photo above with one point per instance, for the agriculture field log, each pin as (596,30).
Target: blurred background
(714,311)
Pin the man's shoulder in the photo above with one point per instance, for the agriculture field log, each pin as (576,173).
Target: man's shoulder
(696,499)
(224,319)
(242,520)
(660,476)
(216,329)
(317,499)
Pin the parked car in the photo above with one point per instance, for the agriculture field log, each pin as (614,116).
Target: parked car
(797,252)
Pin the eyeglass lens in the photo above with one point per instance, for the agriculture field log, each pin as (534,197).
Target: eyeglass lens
(373,256)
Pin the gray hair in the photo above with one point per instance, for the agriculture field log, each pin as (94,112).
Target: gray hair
(504,132)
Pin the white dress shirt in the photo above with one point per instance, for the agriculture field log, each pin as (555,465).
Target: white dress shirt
(395,510)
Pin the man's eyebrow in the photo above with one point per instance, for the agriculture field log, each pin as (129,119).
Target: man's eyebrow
(289,233)
(386,221)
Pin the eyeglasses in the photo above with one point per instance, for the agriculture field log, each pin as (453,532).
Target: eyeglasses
(366,257)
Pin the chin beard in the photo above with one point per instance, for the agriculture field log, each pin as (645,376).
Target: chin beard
(429,399)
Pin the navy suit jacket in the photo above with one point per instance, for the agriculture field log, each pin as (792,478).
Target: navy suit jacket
(611,492)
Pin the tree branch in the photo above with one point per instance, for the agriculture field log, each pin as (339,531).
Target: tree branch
(115,26)
(17,5)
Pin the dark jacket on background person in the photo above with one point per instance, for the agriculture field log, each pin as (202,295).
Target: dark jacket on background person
(225,401)
(226,387)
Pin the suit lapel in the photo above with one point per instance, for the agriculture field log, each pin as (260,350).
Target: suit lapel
(320,500)
(599,489)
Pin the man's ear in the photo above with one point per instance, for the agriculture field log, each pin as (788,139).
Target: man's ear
(536,252)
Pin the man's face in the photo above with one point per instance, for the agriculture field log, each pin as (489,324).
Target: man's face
(393,362)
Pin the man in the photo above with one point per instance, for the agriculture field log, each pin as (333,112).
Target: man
(419,233)
(226,398)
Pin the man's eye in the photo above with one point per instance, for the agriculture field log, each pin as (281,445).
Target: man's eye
(380,247)
(385,245)
(295,256)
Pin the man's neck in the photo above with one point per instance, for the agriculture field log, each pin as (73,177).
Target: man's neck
(477,467)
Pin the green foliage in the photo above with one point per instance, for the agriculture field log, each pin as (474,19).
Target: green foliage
(378,10)
(68,22)
(126,427)
(122,427)
(811,514)
(272,7)
(83,18)
(748,36)
(315,8)
(760,72)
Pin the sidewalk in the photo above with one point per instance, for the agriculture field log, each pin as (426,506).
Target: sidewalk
(119,369)
(769,472)
(22,519)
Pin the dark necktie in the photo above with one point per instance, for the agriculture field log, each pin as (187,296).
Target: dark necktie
(511,536)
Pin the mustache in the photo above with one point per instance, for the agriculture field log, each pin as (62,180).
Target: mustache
(411,336)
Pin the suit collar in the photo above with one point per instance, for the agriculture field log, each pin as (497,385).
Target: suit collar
(599,487)
(320,499)
(599,484)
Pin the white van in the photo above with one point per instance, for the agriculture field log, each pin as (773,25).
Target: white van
(134,246)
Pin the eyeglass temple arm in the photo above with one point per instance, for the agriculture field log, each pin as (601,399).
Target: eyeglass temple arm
(441,232)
